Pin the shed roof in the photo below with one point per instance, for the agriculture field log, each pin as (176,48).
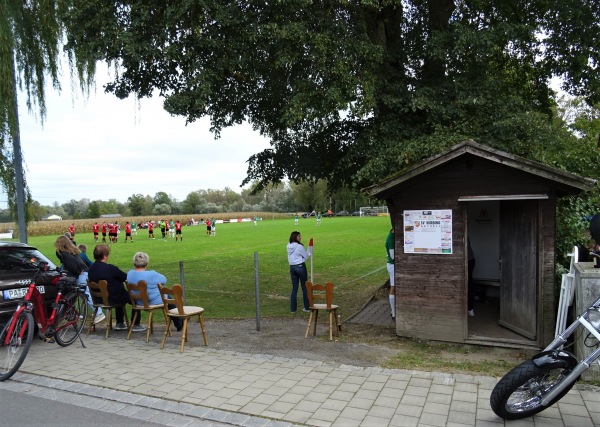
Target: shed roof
(568,182)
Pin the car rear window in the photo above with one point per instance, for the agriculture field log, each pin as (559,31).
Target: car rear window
(13,260)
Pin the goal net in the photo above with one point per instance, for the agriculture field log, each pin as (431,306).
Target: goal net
(374,211)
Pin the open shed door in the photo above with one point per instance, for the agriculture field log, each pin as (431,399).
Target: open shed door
(518,274)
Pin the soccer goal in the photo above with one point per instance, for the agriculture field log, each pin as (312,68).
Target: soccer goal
(374,211)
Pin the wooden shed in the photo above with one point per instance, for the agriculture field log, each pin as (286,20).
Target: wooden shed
(505,206)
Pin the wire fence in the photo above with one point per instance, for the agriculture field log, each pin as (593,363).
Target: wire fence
(230,291)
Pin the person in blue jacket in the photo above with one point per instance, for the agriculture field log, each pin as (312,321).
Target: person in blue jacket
(152,279)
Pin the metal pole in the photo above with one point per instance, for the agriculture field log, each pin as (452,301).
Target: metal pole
(311,267)
(18,162)
(257,291)
(181,279)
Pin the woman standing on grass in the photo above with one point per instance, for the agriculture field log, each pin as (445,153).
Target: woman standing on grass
(297,257)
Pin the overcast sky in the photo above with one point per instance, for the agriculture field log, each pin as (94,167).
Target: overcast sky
(104,148)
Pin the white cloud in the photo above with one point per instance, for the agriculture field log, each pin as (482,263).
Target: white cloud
(106,148)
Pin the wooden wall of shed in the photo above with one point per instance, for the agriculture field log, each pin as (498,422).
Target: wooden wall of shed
(431,289)
(547,257)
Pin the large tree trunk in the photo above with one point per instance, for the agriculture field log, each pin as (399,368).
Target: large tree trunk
(440,12)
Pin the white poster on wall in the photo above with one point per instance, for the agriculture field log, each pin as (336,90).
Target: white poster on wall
(428,231)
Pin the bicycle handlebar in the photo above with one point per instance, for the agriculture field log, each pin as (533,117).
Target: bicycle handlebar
(59,281)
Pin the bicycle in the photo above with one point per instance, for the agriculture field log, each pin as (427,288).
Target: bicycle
(64,324)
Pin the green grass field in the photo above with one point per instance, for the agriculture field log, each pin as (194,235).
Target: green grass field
(218,272)
(219,276)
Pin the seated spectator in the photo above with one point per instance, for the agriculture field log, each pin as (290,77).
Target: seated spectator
(70,236)
(117,294)
(152,279)
(73,264)
(83,254)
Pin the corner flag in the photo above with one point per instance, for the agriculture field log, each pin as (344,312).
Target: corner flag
(310,252)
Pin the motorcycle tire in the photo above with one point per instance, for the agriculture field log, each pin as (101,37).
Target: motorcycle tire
(519,393)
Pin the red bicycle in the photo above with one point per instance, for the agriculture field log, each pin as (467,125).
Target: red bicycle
(64,324)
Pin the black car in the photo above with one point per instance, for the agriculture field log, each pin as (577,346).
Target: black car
(17,262)
(342,213)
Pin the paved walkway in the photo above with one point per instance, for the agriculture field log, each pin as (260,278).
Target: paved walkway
(375,312)
(204,387)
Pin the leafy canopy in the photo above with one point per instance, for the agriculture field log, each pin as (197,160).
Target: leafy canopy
(349,90)
(30,36)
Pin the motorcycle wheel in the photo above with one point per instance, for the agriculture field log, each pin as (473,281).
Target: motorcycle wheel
(519,393)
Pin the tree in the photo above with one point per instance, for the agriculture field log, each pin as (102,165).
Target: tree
(162,209)
(30,36)
(578,153)
(192,203)
(162,198)
(93,210)
(227,199)
(252,197)
(350,91)
(57,209)
(136,204)
(36,211)
(582,118)
(76,209)
(311,195)
(345,199)
(148,205)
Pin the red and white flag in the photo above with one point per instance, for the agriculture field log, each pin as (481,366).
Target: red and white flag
(310,252)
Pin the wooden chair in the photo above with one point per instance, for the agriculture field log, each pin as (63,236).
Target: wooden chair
(322,293)
(174,296)
(139,293)
(99,292)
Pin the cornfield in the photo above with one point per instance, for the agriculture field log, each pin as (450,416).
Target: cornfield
(48,228)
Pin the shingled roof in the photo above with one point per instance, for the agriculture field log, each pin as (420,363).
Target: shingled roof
(566,182)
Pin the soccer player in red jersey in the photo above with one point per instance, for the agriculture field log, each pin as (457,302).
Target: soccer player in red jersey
(95,229)
(128,232)
(178,230)
(150,230)
(111,232)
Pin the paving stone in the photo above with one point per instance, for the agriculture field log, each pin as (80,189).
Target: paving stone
(262,390)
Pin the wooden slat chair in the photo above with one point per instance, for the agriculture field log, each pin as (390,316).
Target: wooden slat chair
(138,292)
(318,292)
(99,292)
(174,296)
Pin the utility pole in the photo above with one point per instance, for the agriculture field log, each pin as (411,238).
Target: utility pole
(18,161)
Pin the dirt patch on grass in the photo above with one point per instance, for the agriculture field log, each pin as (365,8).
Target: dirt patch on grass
(358,345)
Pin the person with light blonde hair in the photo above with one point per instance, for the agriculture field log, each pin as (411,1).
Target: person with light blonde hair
(73,265)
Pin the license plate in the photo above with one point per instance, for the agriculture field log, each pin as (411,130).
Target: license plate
(20,293)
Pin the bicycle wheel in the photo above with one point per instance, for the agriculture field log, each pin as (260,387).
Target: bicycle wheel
(70,318)
(14,347)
